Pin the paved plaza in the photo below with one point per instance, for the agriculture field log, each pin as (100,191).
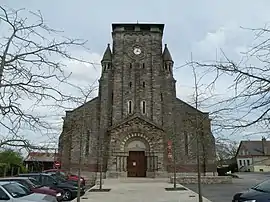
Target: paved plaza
(139,190)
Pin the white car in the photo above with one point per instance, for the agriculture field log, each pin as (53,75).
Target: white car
(15,192)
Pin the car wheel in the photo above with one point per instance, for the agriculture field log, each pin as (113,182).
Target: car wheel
(67,195)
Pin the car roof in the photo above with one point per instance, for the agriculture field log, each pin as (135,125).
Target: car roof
(52,170)
(6,182)
(28,174)
(14,178)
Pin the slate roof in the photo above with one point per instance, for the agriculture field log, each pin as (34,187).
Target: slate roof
(166,54)
(254,147)
(107,56)
(41,157)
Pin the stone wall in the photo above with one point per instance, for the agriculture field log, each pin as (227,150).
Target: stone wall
(81,122)
(185,138)
(204,179)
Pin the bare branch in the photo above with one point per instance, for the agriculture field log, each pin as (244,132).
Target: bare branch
(33,74)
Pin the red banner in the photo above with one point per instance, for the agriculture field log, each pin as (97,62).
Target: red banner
(169,149)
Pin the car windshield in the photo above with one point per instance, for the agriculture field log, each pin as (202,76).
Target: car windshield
(34,183)
(16,190)
(59,178)
(60,174)
(264,186)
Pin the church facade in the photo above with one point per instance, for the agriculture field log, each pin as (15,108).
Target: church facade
(136,126)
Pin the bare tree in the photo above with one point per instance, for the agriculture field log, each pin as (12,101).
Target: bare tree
(226,149)
(32,74)
(198,141)
(249,105)
(75,135)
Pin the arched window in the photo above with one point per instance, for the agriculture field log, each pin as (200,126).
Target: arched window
(143,107)
(130,107)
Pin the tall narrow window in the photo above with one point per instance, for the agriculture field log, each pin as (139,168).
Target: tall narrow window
(161,97)
(186,142)
(111,110)
(87,145)
(143,66)
(130,84)
(143,84)
(130,65)
(130,107)
(143,107)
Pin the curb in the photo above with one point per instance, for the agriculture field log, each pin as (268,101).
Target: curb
(75,200)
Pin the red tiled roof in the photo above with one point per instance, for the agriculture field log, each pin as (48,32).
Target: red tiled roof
(41,157)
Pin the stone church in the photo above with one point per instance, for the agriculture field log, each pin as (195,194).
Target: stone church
(136,126)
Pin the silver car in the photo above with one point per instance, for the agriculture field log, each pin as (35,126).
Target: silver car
(15,192)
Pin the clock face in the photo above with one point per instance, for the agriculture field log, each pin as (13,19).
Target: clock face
(137,51)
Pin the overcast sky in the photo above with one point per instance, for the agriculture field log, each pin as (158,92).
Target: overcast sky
(201,27)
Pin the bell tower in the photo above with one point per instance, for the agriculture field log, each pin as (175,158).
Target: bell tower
(136,74)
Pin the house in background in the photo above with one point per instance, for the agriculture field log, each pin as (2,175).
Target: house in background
(39,161)
(253,156)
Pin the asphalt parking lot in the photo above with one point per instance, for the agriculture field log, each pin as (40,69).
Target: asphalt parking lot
(225,192)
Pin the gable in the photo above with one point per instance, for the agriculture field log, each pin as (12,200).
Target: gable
(136,119)
(185,107)
(88,104)
(254,148)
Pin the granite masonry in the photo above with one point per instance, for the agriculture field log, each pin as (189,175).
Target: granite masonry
(137,127)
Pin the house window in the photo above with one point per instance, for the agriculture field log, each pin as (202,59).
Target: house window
(130,107)
(186,142)
(248,162)
(143,107)
(240,162)
(143,66)
(143,84)
(130,84)
(244,162)
(130,65)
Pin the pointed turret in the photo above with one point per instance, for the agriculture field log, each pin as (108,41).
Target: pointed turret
(107,56)
(166,54)
(106,61)
(167,59)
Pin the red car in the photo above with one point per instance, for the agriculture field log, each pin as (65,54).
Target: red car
(32,185)
(70,176)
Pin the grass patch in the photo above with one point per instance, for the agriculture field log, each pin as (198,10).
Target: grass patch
(175,189)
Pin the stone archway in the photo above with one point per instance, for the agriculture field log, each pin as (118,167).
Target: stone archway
(139,137)
(130,150)
(136,148)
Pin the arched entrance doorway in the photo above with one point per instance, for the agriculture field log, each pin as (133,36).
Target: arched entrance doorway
(136,161)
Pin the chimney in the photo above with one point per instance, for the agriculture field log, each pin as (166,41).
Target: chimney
(264,146)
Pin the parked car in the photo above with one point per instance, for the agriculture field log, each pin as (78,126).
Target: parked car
(257,193)
(35,187)
(70,191)
(68,176)
(13,191)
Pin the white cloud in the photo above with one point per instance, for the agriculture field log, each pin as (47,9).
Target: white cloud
(85,72)
(201,27)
